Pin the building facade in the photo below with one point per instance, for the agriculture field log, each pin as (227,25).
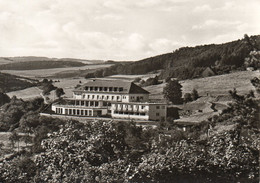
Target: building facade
(115,99)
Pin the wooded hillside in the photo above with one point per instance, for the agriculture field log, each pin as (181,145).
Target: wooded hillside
(190,62)
(10,82)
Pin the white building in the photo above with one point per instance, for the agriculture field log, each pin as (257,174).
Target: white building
(116,99)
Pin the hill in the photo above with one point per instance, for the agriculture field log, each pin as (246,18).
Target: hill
(190,62)
(10,82)
(34,65)
(6,60)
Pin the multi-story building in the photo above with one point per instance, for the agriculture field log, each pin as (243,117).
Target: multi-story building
(116,99)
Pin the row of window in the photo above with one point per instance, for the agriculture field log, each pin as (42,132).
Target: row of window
(129,106)
(138,98)
(101,97)
(131,113)
(87,103)
(91,103)
(79,112)
(106,89)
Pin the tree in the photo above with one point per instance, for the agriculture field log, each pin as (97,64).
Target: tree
(4,98)
(194,94)
(15,138)
(187,97)
(59,92)
(172,92)
(137,80)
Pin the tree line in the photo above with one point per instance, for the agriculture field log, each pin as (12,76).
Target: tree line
(189,62)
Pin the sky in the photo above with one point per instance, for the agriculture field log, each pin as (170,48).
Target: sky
(120,29)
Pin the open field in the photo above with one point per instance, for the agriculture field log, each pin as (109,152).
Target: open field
(26,94)
(42,73)
(213,86)
(131,77)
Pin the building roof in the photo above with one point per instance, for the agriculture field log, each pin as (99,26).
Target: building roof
(127,87)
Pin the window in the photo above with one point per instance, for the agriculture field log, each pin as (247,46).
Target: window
(96,88)
(112,97)
(100,88)
(91,88)
(163,107)
(86,88)
(117,97)
(93,96)
(115,89)
(90,113)
(157,114)
(141,98)
(110,88)
(82,103)
(142,107)
(88,96)
(105,89)
(120,89)
(157,107)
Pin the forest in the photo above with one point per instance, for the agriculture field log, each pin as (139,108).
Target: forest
(10,82)
(189,62)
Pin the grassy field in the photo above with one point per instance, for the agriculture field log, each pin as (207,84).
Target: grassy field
(26,94)
(42,73)
(213,86)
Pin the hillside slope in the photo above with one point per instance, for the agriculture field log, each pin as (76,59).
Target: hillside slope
(10,82)
(34,65)
(190,62)
(6,60)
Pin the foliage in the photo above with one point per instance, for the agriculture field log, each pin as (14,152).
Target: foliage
(59,92)
(4,98)
(172,92)
(88,152)
(15,138)
(10,82)
(187,98)
(47,87)
(194,94)
(256,83)
(137,80)
(151,81)
(13,111)
(20,169)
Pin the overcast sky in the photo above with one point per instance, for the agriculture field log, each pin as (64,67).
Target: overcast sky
(120,29)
